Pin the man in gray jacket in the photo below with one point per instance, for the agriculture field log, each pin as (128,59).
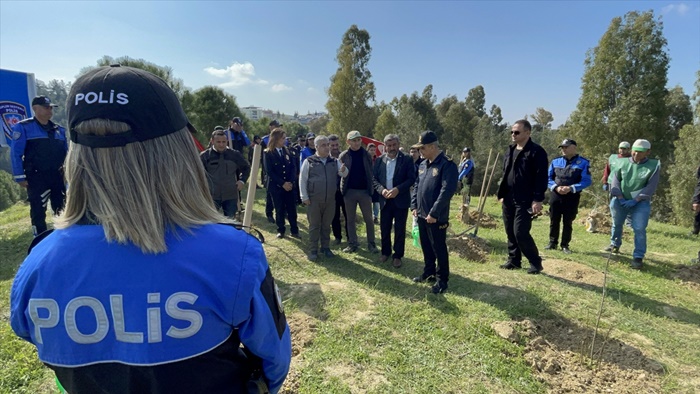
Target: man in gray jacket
(318,182)
(227,171)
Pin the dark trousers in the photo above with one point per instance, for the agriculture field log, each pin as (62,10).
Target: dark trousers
(339,206)
(41,188)
(230,207)
(518,222)
(285,205)
(397,216)
(269,205)
(696,225)
(433,241)
(562,208)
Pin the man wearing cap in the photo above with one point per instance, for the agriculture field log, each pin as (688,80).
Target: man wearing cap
(38,149)
(143,287)
(568,175)
(227,172)
(357,190)
(309,150)
(394,174)
(623,150)
(466,175)
(237,138)
(435,185)
(521,194)
(334,143)
(634,181)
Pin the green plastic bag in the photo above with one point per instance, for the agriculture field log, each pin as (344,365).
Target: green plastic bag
(416,236)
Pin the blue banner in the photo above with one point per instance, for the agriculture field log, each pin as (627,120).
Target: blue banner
(16,92)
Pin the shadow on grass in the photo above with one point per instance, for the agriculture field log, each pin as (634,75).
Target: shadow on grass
(13,250)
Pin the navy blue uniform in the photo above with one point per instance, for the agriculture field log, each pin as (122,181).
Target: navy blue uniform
(435,185)
(108,318)
(576,173)
(281,168)
(38,152)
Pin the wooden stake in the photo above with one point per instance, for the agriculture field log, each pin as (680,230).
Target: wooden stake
(252,186)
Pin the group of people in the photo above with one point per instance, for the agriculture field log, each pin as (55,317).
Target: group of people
(130,291)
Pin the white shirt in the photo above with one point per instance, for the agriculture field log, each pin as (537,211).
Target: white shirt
(390,169)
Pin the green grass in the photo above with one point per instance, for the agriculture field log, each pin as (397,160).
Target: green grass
(362,326)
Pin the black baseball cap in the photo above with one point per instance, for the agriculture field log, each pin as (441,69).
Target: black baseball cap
(275,123)
(237,120)
(219,128)
(567,142)
(466,150)
(310,136)
(124,94)
(43,101)
(426,137)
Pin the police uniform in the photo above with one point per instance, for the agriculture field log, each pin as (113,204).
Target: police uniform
(280,166)
(576,173)
(38,152)
(435,185)
(144,323)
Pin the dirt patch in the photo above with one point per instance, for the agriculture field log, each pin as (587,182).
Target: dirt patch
(487,221)
(559,355)
(596,220)
(359,379)
(689,275)
(573,272)
(303,330)
(308,297)
(470,248)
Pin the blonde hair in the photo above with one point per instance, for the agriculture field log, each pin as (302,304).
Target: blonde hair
(139,191)
(275,136)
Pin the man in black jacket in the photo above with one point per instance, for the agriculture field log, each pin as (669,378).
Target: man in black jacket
(521,194)
(227,172)
(394,174)
(430,202)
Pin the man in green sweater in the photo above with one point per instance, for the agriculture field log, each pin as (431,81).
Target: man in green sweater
(634,181)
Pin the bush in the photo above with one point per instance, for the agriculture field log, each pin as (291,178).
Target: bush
(10,191)
(682,174)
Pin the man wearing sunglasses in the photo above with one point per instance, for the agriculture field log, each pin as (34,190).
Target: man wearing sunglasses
(521,194)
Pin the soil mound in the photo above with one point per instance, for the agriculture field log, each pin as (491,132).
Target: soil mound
(470,248)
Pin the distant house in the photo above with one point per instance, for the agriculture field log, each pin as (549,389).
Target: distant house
(253,113)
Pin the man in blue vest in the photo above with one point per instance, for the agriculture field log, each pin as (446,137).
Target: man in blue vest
(39,147)
(634,181)
(568,175)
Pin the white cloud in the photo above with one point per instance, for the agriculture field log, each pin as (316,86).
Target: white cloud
(237,74)
(680,8)
(280,87)
(311,90)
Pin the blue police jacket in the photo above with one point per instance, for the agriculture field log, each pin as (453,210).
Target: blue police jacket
(435,185)
(36,150)
(574,172)
(466,169)
(305,153)
(84,302)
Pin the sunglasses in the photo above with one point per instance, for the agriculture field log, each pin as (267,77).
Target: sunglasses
(515,133)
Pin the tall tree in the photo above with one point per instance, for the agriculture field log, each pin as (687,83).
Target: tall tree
(624,88)
(542,118)
(455,121)
(476,101)
(319,125)
(386,124)
(351,94)
(680,111)
(209,107)
(164,72)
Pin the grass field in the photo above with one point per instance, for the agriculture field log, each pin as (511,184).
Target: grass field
(361,326)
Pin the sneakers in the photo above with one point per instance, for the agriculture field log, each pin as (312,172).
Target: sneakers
(372,248)
(566,250)
(551,246)
(510,266)
(534,270)
(350,249)
(338,241)
(396,263)
(376,220)
(313,256)
(296,235)
(271,219)
(423,278)
(439,288)
(613,249)
(636,263)
(280,235)
(327,253)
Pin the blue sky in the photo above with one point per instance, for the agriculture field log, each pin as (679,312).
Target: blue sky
(281,55)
